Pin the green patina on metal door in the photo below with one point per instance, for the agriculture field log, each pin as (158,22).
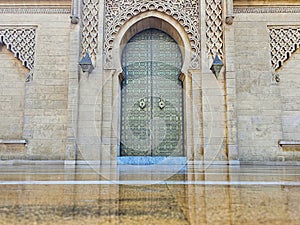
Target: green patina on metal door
(152,101)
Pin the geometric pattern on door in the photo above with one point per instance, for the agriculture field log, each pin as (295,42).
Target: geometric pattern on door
(151,96)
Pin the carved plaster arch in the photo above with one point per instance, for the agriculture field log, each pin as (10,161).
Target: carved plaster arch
(21,42)
(149,20)
(284,41)
(117,13)
(170,25)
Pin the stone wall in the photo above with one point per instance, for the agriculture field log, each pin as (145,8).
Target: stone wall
(266,109)
(64,113)
(38,110)
(12,86)
(290,103)
(12,94)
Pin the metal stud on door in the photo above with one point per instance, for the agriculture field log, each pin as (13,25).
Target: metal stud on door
(151,115)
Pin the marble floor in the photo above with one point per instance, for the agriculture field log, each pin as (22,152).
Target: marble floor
(165,194)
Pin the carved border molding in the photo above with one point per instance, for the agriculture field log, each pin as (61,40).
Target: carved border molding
(185,12)
(21,42)
(284,41)
(240,10)
(90,21)
(214,28)
(35,10)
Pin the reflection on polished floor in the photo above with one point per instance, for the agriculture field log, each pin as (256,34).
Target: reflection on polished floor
(161,194)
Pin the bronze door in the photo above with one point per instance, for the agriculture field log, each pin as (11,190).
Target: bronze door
(152,101)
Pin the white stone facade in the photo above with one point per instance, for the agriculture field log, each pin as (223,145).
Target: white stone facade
(65,114)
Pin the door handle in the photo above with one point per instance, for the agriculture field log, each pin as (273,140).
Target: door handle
(161,103)
(142,103)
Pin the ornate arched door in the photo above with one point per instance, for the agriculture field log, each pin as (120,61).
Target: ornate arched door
(152,100)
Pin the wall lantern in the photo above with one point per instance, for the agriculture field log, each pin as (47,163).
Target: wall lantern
(216,66)
(86,63)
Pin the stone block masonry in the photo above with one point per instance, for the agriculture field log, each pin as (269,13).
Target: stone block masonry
(36,110)
(66,114)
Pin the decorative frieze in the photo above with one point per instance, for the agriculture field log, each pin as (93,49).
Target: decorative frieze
(90,21)
(21,41)
(35,10)
(185,12)
(274,9)
(284,41)
(214,27)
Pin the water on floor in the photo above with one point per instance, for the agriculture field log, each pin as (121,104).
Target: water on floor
(83,194)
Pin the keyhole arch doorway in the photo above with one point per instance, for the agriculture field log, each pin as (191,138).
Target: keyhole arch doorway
(151,96)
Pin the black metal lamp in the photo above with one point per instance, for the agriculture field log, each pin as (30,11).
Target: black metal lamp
(86,63)
(216,66)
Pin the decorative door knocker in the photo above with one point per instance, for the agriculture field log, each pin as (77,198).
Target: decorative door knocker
(161,104)
(142,103)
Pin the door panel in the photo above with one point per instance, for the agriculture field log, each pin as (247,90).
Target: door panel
(151,115)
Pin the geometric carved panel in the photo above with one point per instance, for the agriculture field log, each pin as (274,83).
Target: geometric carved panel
(90,21)
(214,28)
(21,41)
(36,10)
(185,12)
(284,40)
(272,9)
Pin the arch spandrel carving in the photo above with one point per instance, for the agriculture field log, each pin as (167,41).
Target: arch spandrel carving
(20,41)
(186,13)
(284,41)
